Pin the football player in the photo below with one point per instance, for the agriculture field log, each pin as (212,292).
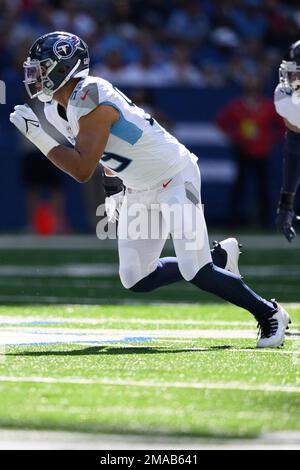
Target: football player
(287,103)
(156,169)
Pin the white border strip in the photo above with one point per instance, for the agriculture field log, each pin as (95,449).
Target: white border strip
(55,440)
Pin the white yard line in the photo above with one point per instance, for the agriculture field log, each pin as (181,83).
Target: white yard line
(15,320)
(37,335)
(161,333)
(154,333)
(91,242)
(98,270)
(268,388)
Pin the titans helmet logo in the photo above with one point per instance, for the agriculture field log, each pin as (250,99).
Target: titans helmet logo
(65,48)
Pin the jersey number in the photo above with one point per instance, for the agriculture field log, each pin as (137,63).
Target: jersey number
(123,161)
(107,156)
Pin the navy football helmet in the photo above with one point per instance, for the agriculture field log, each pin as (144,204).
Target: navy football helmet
(53,60)
(289,71)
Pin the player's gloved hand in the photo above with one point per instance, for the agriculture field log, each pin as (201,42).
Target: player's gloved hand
(113,205)
(114,194)
(286,215)
(284,221)
(29,125)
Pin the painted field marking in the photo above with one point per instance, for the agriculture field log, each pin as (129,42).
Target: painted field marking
(18,335)
(36,338)
(269,388)
(13,320)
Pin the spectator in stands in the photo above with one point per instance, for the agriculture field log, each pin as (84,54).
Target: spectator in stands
(213,59)
(112,67)
(282,26)
(252,125)
(188,23)
(180,71)
(249,19)
(249,61)
(144,72)
(72,18)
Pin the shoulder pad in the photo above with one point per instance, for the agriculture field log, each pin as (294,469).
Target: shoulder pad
(85,98)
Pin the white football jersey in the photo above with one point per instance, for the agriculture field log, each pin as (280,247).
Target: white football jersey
(139,150)
(285,106)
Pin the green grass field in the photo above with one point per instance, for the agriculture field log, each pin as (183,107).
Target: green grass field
(173,362)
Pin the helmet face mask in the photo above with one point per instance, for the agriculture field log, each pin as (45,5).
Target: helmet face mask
(289,75)
(36,77)
(53,60)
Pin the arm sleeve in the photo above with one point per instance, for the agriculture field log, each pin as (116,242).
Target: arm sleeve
(291,162)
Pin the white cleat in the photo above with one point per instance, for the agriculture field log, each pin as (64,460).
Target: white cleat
(230,249)
(272,329)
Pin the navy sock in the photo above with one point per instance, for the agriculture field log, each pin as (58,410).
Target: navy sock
(230,287)
(167,272)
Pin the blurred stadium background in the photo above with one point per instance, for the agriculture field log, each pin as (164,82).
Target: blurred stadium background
(185,60)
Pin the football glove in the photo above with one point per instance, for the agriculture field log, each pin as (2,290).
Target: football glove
(113,205)
(284,221)
(29,125)
(286,215)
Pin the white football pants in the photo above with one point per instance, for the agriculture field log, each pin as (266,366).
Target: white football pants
(147,217)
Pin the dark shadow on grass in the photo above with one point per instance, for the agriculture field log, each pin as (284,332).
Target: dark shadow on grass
(110,351)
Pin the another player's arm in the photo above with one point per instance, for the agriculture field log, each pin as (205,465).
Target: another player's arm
(94,129)
(290,181)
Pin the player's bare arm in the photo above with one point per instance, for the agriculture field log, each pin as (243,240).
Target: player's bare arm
(94,129)
(291,127)
(80,162)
